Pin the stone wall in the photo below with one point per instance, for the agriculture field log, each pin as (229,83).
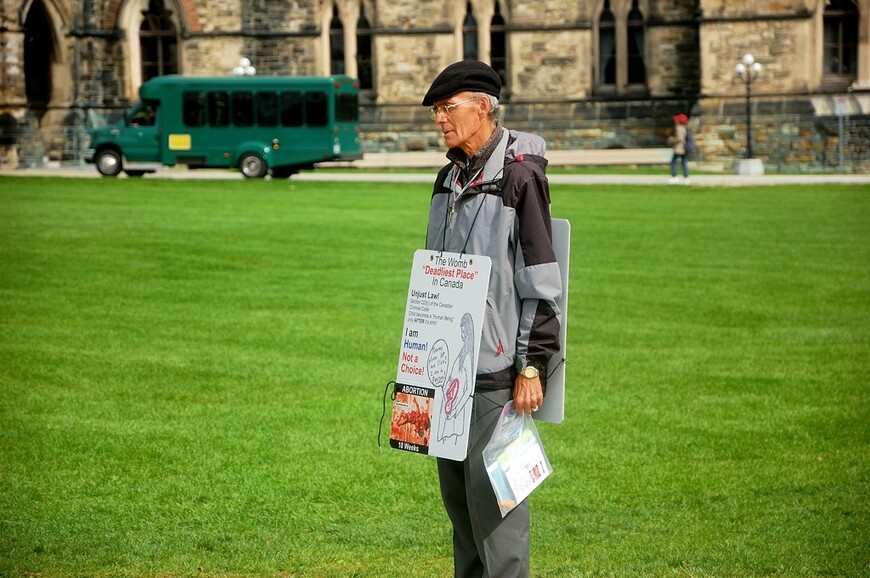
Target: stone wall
(674,71)
(775,44)
(692,48)
(730,8)
(219,15)
(788,136)
(559,69)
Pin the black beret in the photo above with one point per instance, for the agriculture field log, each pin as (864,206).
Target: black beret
(465,75)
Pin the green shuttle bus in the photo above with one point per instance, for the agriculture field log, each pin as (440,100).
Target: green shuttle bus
(261,125)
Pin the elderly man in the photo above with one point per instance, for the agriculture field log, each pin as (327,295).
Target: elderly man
(493,199)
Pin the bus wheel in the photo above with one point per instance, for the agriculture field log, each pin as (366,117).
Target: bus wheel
(283,172)
(252,166)
(108,163)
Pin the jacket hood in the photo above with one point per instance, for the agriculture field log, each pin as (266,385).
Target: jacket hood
(526,144)
(515,147)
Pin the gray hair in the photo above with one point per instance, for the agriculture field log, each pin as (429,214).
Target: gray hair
(495,111)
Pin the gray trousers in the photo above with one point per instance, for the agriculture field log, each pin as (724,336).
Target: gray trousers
(484,544)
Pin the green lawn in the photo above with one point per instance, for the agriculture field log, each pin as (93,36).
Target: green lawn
(191,378)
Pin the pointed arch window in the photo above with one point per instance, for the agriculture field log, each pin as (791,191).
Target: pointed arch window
(336,43)
(37,57)
(469,35)
(158,41)
(636,39)
(841,40)
(498,45)
(607,46)
(364,50)
(621,43)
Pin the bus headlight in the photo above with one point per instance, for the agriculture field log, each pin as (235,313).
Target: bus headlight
(275,144)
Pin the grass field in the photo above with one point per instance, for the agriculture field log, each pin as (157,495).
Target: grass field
(192,375)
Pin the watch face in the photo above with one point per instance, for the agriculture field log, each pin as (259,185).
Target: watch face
(530,372)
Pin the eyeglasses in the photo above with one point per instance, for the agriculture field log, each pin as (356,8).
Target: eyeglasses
(445,109)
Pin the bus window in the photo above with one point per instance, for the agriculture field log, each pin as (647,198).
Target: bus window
(218,108)
(316,112)
(243,108)
(267,108)
(143,116)
(346,107)
(193,108)
(291,108)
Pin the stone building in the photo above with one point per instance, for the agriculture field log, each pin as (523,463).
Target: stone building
(582,73)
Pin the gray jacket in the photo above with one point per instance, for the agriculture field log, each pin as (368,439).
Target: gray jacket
(504,213)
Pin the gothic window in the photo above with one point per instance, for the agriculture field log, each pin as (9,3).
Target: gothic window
(607,46)
(364,51)
(336,43)
(636,62)
(469,35)
(841,39)
(158,42)
(498,45)
(37,57)
(621,42)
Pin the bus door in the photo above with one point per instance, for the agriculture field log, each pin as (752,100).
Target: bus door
(139,139)
(346,121)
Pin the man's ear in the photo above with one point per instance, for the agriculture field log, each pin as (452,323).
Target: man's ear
(485,107)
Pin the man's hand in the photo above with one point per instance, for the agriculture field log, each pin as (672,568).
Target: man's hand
(528,394)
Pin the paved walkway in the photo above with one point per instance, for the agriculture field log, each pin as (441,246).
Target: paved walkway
(626,178)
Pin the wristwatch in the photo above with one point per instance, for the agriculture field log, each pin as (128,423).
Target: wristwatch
(529,372)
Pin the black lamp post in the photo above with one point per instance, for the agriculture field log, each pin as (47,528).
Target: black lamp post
(748,70)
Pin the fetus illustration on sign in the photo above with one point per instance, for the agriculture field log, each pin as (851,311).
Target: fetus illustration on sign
(455,384)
